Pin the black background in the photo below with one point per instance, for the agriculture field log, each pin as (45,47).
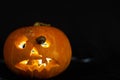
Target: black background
(93,34)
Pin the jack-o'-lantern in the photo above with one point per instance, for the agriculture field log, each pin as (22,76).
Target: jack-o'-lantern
(40,51)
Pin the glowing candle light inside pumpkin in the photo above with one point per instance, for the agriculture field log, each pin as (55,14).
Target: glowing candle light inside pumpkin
(48,60)
(22,44)
(24,62)
(45,45)
(40,61)
(33,51)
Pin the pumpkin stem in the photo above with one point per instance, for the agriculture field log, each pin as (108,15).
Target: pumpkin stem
(41,24)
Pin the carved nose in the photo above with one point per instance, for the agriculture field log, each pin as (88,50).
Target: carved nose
(34,54)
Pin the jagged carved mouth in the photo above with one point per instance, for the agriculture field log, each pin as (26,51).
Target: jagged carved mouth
(37,64)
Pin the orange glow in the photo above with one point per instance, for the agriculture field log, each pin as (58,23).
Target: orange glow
(24,62)
(46,44)
(20,42)
(36,65)
(34,52)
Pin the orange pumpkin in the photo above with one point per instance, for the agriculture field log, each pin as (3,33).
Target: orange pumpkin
(40,51)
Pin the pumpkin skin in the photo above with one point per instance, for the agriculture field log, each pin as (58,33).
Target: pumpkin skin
(25,55)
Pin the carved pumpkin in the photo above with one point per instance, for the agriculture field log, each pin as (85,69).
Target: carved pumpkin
(40,51)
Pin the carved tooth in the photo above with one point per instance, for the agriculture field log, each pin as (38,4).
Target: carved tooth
(24,62)
(41,67)
(44,64)
(39,61)
(48,60)
(29,68)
